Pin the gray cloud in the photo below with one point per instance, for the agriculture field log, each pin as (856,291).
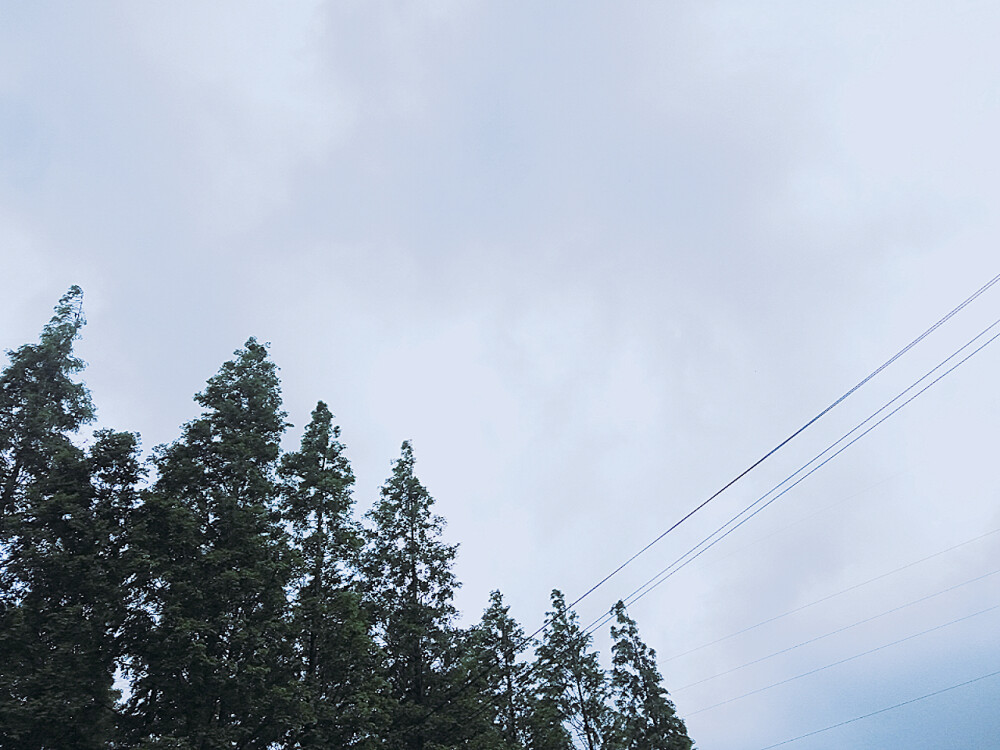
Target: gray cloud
(593,261)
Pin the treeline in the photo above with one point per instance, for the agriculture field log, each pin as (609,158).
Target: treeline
(222,594)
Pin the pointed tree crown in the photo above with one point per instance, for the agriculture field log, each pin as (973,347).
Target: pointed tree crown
(645,718)
(318,477)
(40,402)
(406,551)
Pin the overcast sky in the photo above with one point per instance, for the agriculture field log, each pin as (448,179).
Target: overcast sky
(594,260)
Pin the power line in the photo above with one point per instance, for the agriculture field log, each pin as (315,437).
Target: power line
(883,710)
(840,630)
(485,672)
(844,661)
(804,519)
(647,588)
(828,597)
(787,440)
(708,542)
(528,639)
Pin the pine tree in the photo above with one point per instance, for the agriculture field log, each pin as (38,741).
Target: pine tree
(645,718)
(500,677)
(211,666)
(61,603)
(40,406)
(238,597)
(410,590)
(572,687)
(341,692)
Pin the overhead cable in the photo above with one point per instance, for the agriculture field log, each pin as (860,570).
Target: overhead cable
(745,515)
(883,710)
(786,441)
(839,630)
(529,638)
(828,597)
(844,661)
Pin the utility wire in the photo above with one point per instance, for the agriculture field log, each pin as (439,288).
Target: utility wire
(828,597)
(844,661)
(708,542)
(840,630)
(712,539)
(883,710)
(528,673)
(529,638)
(606,618)
(788,439)
(804,519)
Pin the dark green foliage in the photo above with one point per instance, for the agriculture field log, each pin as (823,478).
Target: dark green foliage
(40,405)
(645,717)
(60,640)
(317,490)
(62,579)
(410,587)
(571,683)
(500,676)
(240,605)
(211,660)
(342,696)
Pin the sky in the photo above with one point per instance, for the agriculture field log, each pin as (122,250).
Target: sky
(594,260)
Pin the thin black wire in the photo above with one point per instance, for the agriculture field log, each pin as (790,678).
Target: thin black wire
(844,661)
(828,597)
(705,544)
(883,710)
(845,628)
(529,638)
(787,440)
(806,518)
(681,562)
(958,364)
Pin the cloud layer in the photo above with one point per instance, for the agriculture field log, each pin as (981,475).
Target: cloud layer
(594,261)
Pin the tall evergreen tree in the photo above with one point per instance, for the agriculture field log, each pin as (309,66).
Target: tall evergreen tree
(61,582)
(572,688)
(41,405)
(410,591)
(500,676)
(211,667)
(645,717)
(60,630)
(342,694)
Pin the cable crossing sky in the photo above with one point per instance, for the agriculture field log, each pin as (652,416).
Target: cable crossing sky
(734,523)
(874,373)
(954,311)
(828,597)
(883,710)
(843,629)
(846,660)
